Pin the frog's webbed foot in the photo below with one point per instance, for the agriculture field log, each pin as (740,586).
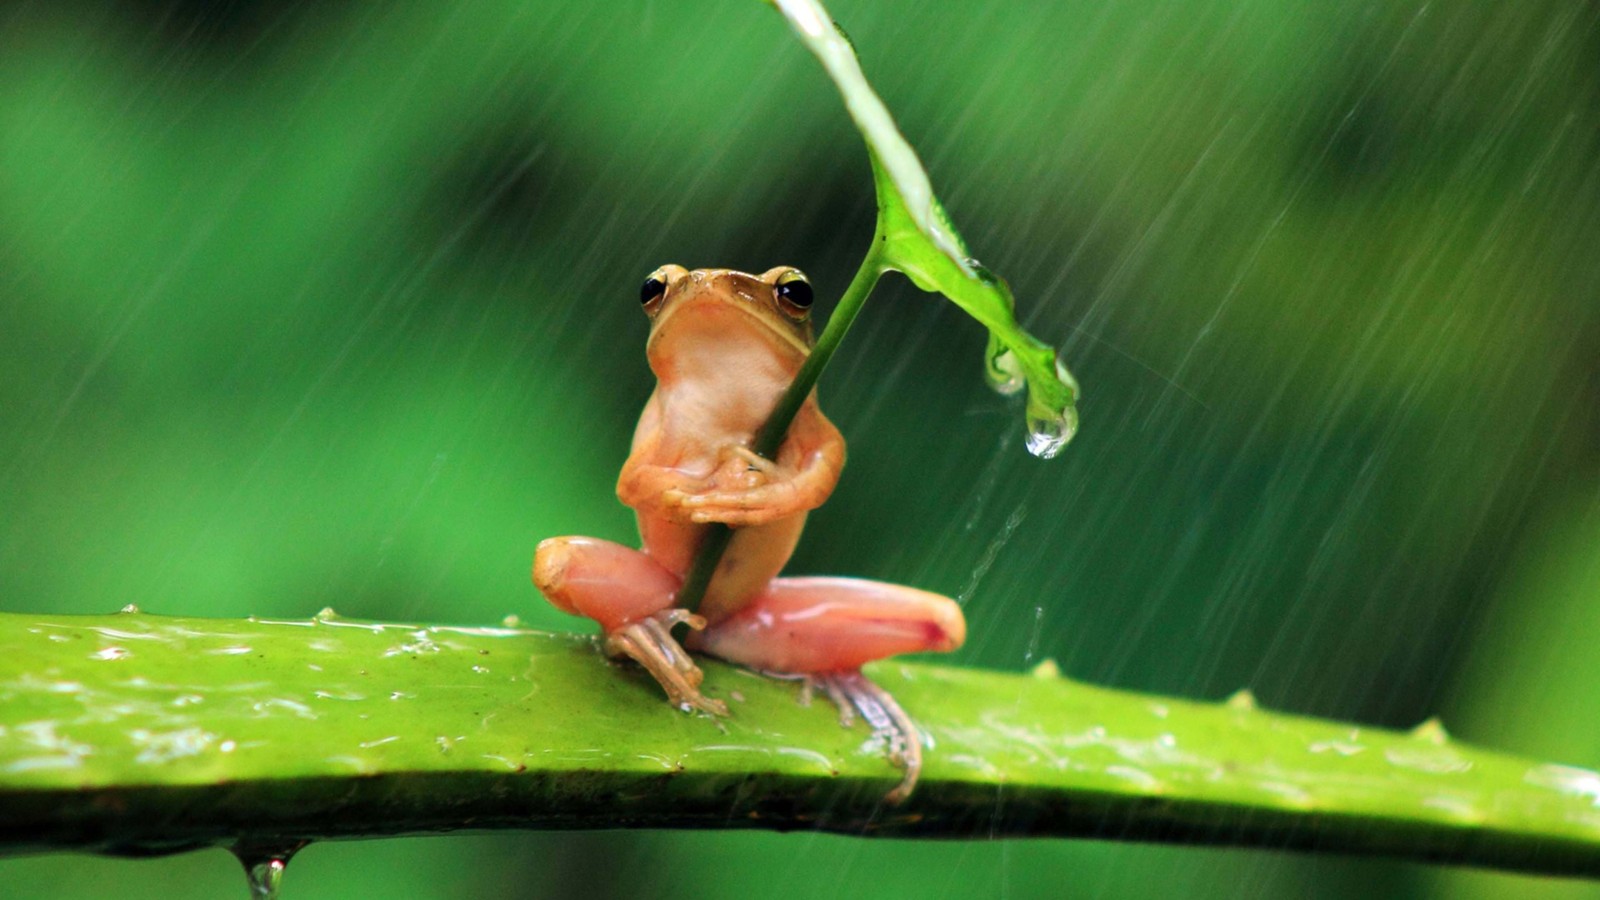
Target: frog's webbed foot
(852,693)
(649,642)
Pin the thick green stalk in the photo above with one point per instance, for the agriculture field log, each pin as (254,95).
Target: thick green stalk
(770,437)
(138,733)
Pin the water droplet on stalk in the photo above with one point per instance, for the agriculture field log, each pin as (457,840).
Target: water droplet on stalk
(1048,434)
(265,877)
(982,271)
(1243,699)
(264,865)
(1432,731)
(1046,670)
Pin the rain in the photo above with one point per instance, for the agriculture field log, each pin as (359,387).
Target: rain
(310,306)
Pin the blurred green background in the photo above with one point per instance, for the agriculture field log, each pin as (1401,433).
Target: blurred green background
(308,305)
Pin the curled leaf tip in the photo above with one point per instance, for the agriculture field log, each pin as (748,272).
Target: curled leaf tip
(1004,372)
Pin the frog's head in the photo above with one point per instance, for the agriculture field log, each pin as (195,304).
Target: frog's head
(715,316)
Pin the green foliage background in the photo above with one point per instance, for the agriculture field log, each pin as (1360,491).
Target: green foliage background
(332,304)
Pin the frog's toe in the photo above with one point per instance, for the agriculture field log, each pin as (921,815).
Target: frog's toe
(853,692)
(649,642)
(734,517)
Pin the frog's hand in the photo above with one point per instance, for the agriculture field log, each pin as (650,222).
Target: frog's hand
(645,486)
(748,490)
(828,628)
(631,596)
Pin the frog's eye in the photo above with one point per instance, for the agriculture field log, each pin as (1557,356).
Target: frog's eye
(794,294)
(653,289)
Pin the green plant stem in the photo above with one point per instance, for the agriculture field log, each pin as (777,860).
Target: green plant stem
(770,437)
(135,733)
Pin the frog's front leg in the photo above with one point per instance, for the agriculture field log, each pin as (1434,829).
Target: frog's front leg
(827,629)
(747,489)
(630,595)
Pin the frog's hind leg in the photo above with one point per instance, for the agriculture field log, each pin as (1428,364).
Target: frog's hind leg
(813,625)
(631,596)
(828,628)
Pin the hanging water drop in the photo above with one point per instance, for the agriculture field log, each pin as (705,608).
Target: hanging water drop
(264,865)
(1049,433)
(265,877)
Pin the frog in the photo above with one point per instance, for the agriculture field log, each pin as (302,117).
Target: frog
(724,346)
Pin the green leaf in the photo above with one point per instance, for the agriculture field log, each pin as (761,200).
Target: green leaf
(135,733)
(915,237)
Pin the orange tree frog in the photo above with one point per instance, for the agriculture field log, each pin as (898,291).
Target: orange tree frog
(723,346)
